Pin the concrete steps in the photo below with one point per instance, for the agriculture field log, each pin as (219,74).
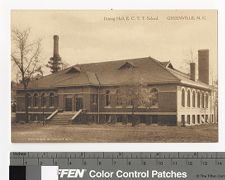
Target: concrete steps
(61,119)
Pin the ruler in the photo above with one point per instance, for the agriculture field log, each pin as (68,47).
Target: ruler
(120,165)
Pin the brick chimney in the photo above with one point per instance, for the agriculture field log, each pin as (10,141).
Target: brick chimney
(193,71)
(203,65)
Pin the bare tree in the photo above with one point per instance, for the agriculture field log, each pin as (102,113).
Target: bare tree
(137,96)
(191,57)
(25,55)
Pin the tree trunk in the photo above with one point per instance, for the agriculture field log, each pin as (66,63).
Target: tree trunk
(26,109)
(26,104)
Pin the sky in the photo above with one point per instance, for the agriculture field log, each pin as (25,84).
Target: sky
(87,36)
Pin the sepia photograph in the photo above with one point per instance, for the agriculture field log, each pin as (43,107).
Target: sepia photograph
(114,76)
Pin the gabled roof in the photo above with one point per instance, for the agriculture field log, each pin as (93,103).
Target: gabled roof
(112,73)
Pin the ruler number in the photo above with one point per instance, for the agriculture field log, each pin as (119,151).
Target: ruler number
(189,163)
(174,163)
(84,163)
(159,163)
(99,163)
(204,163)
(219,163)
(114,163)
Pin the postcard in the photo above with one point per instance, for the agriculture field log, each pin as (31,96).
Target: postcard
(114,76)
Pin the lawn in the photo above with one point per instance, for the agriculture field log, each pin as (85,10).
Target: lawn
(33,132)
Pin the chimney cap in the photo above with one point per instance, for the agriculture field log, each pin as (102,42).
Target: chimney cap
(200,50)
(56,36)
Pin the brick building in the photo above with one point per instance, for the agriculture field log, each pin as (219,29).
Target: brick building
(143,89)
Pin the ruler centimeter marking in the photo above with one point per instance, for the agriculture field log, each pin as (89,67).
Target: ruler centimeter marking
(55,158)
(120,155)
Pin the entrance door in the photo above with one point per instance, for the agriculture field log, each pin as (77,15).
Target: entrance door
(79,103)
(68,103)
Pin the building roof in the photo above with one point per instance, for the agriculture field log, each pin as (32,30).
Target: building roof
(112,73)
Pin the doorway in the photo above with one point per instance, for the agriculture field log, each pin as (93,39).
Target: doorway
(68,103)
(79,103)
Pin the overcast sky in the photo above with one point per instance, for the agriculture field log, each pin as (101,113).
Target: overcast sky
(94,36)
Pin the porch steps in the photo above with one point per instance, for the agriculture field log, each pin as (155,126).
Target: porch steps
(62,119)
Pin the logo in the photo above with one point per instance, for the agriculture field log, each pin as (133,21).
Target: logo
(71,173)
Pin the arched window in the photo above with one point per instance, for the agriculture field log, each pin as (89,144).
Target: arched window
(51,99)
(203,100)
(154,97)
(28,99)
(129,97)
(188,98)
(107,98)
(35,100)
(193,99)
(183,98)
(118,97)
(198,99)
(207,100)
(188,119)
(43,100)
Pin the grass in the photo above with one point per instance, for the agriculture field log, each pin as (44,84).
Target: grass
(37,133)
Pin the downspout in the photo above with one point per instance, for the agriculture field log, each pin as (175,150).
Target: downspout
(98,102)
(99,85)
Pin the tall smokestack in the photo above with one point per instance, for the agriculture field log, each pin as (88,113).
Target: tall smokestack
(55,62)
(56,46)
(203,65)
(193,71)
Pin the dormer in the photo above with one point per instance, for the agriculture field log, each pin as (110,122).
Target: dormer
(74,69)
(167,64)
(127,65)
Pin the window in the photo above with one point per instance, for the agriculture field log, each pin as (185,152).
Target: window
(188,98)
(118,98)
(51,99)
(183,120)
(35,100)
(206,118)
(188,119)
(183,98)
(107,98)
(202,118)
(94,98)
(128,102)
(193,119)
(28,99)
(193,99)
(198,119)
(154,97)
(43,100)
(198,99)
(207,101)
(203,100)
